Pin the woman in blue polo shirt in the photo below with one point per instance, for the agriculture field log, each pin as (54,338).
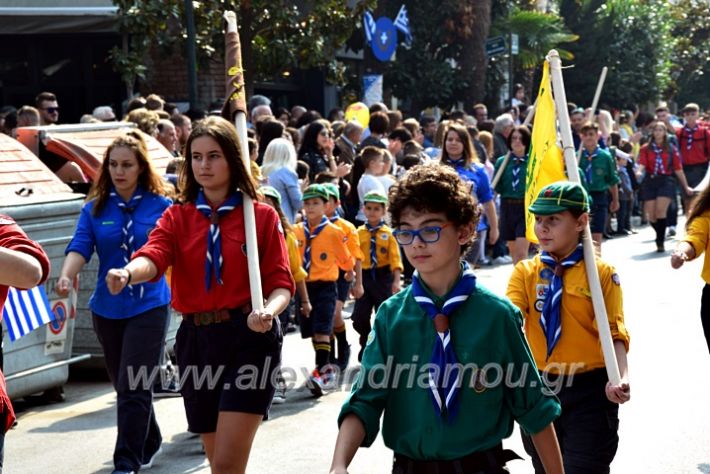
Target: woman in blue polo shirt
(458,152)
(123,206)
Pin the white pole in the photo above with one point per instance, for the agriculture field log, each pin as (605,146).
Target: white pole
(558,89)
(526,122)
(595,102)
(240,122)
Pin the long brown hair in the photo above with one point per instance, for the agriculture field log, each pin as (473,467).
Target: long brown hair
(224,133)
(469,153)
(700,205)
(148,178)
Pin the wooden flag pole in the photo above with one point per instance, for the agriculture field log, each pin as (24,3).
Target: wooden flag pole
(235,87)
(526,122)
(595,102)
(558,88)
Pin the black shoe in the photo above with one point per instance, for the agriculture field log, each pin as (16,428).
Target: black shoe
(344,358)
(660,248)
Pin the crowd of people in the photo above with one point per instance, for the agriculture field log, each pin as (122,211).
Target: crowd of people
(338,204)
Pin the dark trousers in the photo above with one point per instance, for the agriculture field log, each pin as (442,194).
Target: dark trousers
(133,346)
(705,313)
(587,429)
(623,215)
(377,290)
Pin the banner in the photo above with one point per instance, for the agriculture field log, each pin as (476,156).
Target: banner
(545,164)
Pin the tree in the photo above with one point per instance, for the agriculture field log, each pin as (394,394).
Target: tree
(631,37)
(276,35)
(690,70)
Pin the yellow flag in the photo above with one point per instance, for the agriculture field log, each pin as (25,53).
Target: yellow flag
(546,164)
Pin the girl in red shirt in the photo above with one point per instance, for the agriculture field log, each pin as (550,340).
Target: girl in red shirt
(203,239)
(659,160)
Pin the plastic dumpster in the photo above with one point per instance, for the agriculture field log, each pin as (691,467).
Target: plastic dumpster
(47,210)
(85,144)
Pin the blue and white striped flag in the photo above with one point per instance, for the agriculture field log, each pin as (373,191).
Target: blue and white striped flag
(369,26)
(26,310)
(401,22)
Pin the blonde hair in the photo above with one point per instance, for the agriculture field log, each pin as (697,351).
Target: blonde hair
(279,153)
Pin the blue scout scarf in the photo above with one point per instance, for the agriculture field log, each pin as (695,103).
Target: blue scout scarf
(373,245)
(516,170)
(551,317)
(659,160)
(444,380)
(128,229)
(691,133)
(588,167)
(309,237)
(214,260)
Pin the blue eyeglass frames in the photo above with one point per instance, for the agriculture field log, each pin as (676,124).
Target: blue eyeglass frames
(428,234)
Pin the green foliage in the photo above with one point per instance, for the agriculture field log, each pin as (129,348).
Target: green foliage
(631,37)
(277,35)
(690,70)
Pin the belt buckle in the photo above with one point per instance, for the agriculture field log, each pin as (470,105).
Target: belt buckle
(204,319)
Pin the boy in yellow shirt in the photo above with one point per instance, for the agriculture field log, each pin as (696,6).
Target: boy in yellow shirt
(323,248)
(553,294)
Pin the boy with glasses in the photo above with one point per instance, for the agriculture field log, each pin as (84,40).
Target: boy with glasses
(430,359)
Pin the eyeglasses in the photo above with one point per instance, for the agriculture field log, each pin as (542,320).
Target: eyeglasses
(51,110)
(428,234)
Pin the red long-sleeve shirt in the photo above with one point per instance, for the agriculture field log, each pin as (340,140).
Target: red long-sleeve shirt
(699,152)
(14,238)
(180,240)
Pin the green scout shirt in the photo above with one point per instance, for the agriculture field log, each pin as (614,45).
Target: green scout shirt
(505,184)
(486,329)
(604,174)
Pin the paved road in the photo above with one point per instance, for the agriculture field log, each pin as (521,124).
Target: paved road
(664,429)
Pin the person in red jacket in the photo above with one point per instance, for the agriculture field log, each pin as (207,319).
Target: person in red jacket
(694,148)
(220,337)
(23,265)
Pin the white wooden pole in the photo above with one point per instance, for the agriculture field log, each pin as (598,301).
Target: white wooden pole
(558,89)
(595,102)
(526,122)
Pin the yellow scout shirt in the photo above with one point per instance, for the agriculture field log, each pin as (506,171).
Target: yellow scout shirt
(387,248)
(294,258)
(351,234)
(579,342)
(697,236)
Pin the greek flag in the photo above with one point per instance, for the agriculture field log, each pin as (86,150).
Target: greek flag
(26,310)
(402,24)
(368,24)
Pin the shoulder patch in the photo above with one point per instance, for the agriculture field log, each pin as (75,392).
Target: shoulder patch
(384,236)
(280,227)
(615,278)
(370,338)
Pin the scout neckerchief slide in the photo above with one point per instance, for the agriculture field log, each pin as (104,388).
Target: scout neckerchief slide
(373,245)
(309,237)
(444,375)
(128,229)
(551,317)
(214,260)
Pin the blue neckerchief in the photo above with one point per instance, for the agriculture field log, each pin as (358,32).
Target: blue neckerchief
(551,317)
(214,260)
(128,229)
(588,167)
(517,161)
(444,375)
(691,133)
(373,245)
(309,237)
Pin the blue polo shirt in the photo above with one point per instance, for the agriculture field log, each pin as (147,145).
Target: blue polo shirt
(103,234)
(476,174)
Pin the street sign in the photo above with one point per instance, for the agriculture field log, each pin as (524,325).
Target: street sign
(514,44)
(495,46)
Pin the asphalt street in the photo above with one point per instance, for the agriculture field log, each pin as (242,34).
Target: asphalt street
(664,428)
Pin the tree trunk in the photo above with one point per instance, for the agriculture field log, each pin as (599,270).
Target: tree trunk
(473,59)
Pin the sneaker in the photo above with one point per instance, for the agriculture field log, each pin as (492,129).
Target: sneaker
(280,394)
(122,471)
(503,260)
(149,463)
(347,315)
(329,380)
(671,231)
(660,247)
(315,384)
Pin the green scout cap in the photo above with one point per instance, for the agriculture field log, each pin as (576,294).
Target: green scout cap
(374,196)
(559,197)
(316,191)
(332,190)
(271,192)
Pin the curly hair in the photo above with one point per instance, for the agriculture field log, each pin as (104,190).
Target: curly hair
(434,188)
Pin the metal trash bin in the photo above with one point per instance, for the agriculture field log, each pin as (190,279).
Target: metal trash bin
(47,210)
(85,144)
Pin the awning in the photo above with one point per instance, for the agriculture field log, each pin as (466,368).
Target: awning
(26,180)
(57,16)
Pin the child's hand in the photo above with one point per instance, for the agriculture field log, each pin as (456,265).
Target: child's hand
(396,286)
(678,258)
(349,276)
(618,393)
(63,286)
(260,321)
(357,290)
(306,308)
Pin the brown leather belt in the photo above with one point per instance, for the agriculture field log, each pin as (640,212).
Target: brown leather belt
(205,318)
